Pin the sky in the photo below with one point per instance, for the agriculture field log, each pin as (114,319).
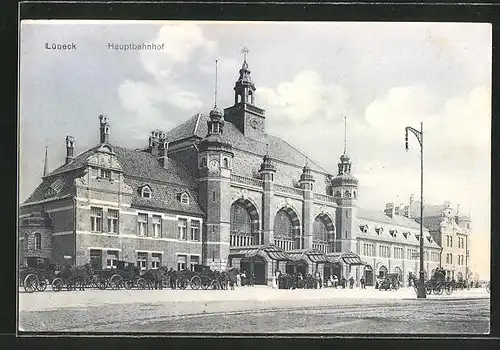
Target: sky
(380,76)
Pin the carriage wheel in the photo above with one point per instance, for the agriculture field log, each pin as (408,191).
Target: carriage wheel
(102,283)
(42,285)
(438,290)
(195,282)
(57,284)
(448,289)
(94,282)
(116,281)
(128,284)
(428,289)
(30,283)
(213,285)
(205,283)
(141,283)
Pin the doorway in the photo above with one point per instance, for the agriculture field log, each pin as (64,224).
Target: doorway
(368,275)
(256,264)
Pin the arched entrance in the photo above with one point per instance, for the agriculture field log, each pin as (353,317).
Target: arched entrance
(257,265)
(368,275)
(244,224)
(298,266)
(323,233)
(382,271)
(287,229)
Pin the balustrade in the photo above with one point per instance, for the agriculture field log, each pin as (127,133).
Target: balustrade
(321,246)
(285,244)
(246,180)
(324,197)
(289,190)
(241,240)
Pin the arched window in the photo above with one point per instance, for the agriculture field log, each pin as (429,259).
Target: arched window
(226,163)
(320,231)
(283,225)
(203,162)
(146,192)
(38,240)
(184,198)
(354,194)
(347,194)
(240,226)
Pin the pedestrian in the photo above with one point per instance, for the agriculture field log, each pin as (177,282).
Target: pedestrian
(252,279)
(362,282)
(335,281)
(351,282)
(173,278)
(243,278)
(343,282)
(238,279)
(275,279)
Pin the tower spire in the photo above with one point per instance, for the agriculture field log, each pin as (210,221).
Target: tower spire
(345,135)
(245,52)
(215,97)
(45,162)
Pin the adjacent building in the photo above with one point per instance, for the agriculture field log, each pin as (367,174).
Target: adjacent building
(220,191)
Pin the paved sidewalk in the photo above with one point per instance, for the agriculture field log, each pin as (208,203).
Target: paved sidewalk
(91,297)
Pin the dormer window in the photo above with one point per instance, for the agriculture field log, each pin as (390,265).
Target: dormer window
(184,198)
(364,228)
(405,234)
(50,192)
(146,192)
(429,238)
(393,233)
(379,230)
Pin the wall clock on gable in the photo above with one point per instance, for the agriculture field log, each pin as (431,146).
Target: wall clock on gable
(214,164)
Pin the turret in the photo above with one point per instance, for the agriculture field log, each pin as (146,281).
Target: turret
(70,147)
(104,129)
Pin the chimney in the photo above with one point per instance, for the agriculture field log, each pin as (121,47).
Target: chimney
(163,153)
(104,129)
(70,146)
(154,142)
(389,210)
(396,210)
(407,211)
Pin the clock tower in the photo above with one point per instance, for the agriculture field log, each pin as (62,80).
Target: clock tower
(244,114)
(215,158)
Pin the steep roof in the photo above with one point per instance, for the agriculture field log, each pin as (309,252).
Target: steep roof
(140,168)
(387,223)
(276,147)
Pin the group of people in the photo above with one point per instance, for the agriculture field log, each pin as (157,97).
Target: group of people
(311,281)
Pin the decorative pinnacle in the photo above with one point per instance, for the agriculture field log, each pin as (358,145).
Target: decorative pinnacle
(215,97)
(345,135)
(245,52)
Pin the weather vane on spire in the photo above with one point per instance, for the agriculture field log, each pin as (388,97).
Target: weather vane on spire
(345,134)
(245,52)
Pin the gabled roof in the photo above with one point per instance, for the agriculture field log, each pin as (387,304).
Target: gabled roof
(277,148)
(62,185)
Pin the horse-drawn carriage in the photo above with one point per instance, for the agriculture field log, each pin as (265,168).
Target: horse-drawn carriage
(437,284)
(36,274)
(72,277)
(125,275)
(391,281)
(201,276)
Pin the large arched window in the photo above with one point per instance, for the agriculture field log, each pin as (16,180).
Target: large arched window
(241,226)
(283,226)
(320,231)
(38,240)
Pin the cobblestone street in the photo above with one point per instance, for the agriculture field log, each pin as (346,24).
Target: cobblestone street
(256,310)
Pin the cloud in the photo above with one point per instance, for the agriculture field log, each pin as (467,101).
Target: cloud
(304,98)
(151,104)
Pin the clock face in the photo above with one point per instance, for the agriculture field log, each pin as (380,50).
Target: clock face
(253,123)
(214,164)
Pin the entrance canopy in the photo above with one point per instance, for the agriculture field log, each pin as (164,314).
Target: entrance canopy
(309,255)
(272,251)
(349,258)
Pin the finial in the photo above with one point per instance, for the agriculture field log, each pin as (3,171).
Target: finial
(45,163)
(345,135)
(215,97)
(267,149)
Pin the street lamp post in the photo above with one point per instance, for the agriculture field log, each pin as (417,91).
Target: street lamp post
(420,137)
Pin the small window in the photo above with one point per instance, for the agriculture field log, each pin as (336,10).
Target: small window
(112,259)
(105,174)
(38,241)
(112,221)
(181,262)
(203,162)
(347,194)
(95,219)
(142,260)
(50,192)
(337,194)
(184,198)
(155,260)
(195,230)
(226,163)
(156,226)
(142,224)
(213,196)
(354,194)
(146,192)
(182,229)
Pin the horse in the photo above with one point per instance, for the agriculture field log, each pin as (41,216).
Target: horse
(154,277)
(76,276)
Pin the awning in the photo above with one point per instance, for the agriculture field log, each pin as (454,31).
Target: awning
(334,258)
(352,259)
(311,255)
(272,251)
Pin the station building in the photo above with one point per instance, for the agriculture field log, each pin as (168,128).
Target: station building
(220,191)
